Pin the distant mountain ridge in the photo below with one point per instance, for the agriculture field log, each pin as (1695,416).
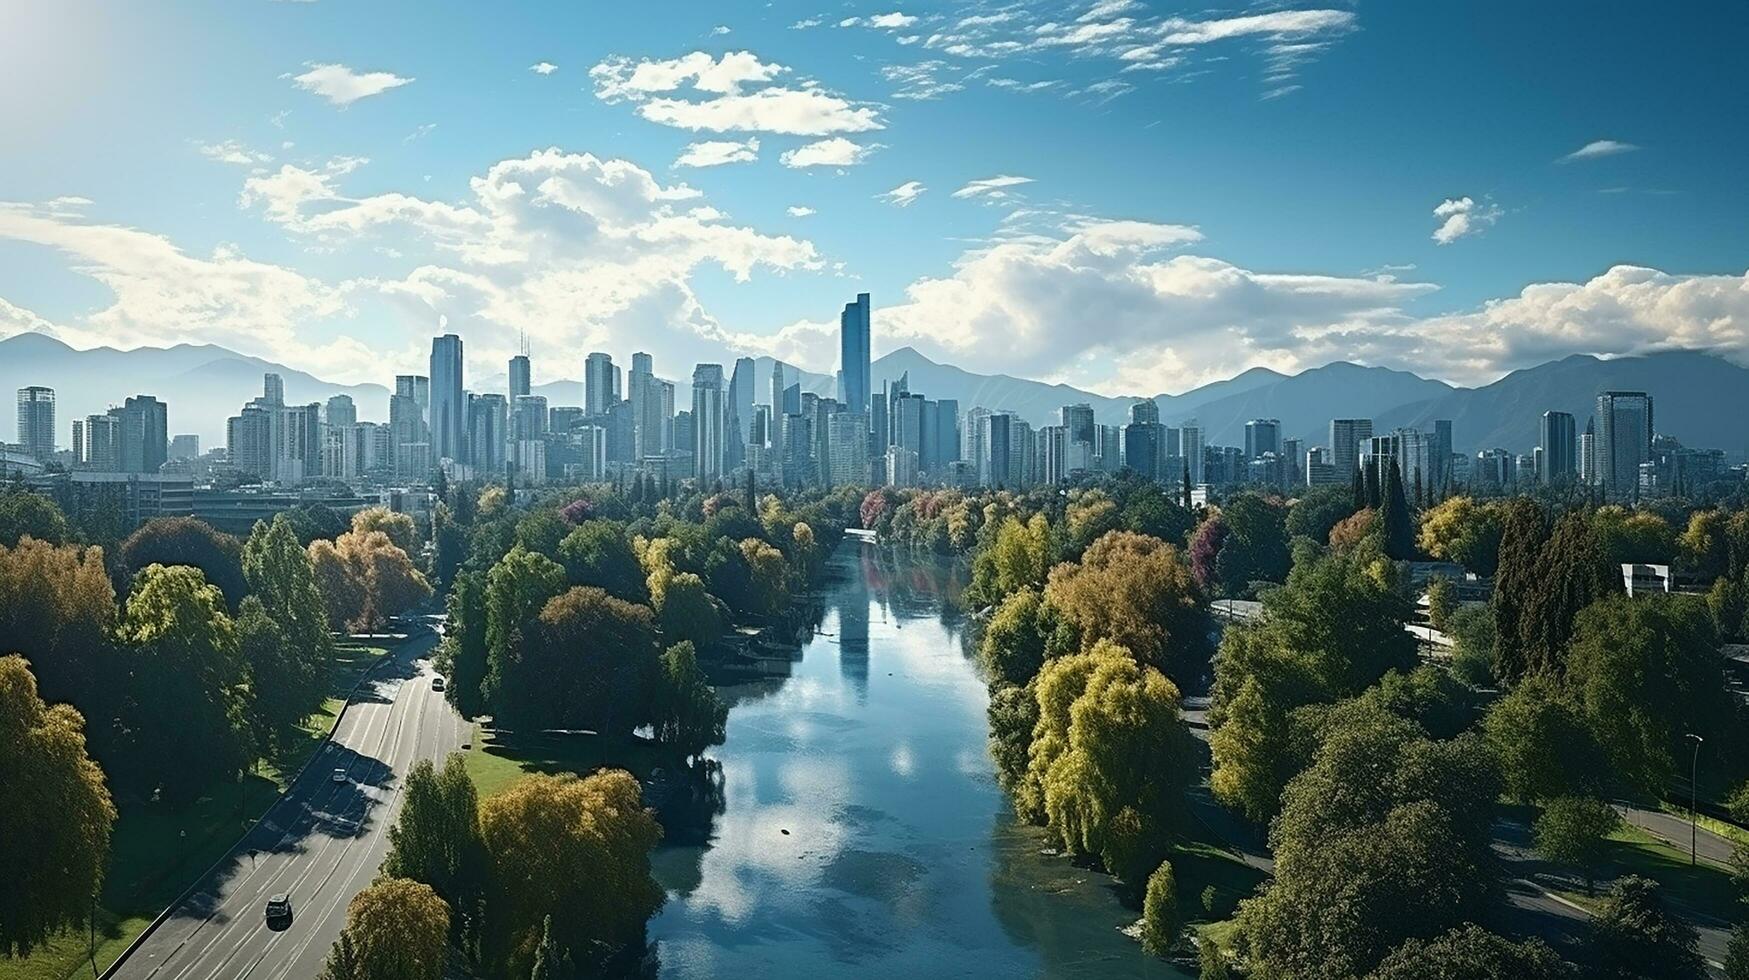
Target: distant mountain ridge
(1699,397)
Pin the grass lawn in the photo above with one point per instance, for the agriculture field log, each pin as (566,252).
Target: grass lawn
(1729,831)
(156,850)
(498,759)
(1704,888)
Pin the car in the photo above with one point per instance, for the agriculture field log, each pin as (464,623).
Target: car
(437,683)
(339,775)
(278,907)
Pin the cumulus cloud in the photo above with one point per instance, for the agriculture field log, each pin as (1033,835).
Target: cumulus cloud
(715,153)
(990,186)
(834,152)
(1599,148)
(894,21)
(1462,216)
(798,211)
(904,194)
(342,86)
(728,93)
(543,68)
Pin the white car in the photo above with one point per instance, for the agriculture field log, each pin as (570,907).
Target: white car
(339,776)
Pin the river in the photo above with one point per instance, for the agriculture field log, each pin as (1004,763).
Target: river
(862,831)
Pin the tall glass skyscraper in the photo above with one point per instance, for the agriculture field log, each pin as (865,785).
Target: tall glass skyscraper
(449,413)
(519,377)
(1624,441)
(36,420)
(853,358)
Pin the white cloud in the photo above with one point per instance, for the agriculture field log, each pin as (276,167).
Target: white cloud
(1278,23)
(232,151)
(919,81)
(1599,148)
(342,86)
(736,96)
(798,211)
(904,194)
(1462,216)
(893,21)
(990,186)
(720,30)
(543,68)
(715,153)
(834,152)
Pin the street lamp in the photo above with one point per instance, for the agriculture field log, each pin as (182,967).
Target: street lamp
(1693,797)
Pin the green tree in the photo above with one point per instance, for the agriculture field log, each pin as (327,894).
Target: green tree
(687,612)
(278,570)
(1704,549)
(1394,517)
(1633,536)
(436,840)
(463,656)
(1470,952)
(577,849)
(1317,511)
(24,514)
(1523,532)
(1542,743)
(1645,672)
(342,962)
(54,807)
(1013,714)
(599,553)
(56,608)
(687,714)
(1256,546)
(1019,556)
(284,688)
(589,662)
(1737,953)
(396,929)
(1463,530)
(1442,601)
(1013,645)
(1571,574)
(1636,938)
(517,589)
(184,718)
(1574,830)
(1160,921)
(186,541)
(448,546)
(1137,592)
(551,960)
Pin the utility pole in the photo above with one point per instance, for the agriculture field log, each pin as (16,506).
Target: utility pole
(1693,801)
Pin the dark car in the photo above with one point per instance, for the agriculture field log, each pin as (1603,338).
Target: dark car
(278,907)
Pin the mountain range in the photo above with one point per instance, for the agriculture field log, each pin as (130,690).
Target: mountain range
(1700,398)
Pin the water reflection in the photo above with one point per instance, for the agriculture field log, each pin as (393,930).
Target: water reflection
(861,830)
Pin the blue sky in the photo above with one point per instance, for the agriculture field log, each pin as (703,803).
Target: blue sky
(1135,197)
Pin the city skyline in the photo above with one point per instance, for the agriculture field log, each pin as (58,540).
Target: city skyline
(330,210)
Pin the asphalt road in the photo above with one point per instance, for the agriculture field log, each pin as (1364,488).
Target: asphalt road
(321,843)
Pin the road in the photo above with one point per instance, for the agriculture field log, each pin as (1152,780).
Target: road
(321,843)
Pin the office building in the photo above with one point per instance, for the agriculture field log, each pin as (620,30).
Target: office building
(1441,453)
(847,449)
(519,377)
(184,446)
(340,411)
(272,389)
(1262,436)
(996,460)
(1624,441)
(417,389)
(1191,451)
(36,421)
(853,355)
(142,433)
(1588,454)
(901,466)
(1346,438)
(739,405)
(600,383)
(709,418)
(448,418)
(1559,447)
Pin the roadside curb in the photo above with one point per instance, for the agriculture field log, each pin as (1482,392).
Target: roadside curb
(236,848)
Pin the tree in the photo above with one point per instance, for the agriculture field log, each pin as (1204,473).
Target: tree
(284,688)
(1470,952)
(279,574)
(184,718)
(365,579)
(1737,953)
(687,713)
(463,655)
(599,553)
(1573,830)
(54,808)
(1317,511)
(1636,938)
(1633,536)
(1205,552)
(436,839)
(1020,555)
(1645,672)
(1541,741)
(396,929)
(551,960)
(187,541)
(588,662)
(517,589)
(1394,517)
(1013,715)
(1570,575)
(56,608)
(1465,531)
(1013,645)
(577,849)
(1385,838)
(767,577)
(311,521)
(1255,548)
(1704,548)
(1522,535)
(24,514)
(687,612)
(1137,592)
(1160,922)
(399,527)
(1442,601)
(448,544)
(1350,532)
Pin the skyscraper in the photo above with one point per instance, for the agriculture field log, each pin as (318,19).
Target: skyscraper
(1346,437)
(142,434)
(448,419)
(740,411)
(1262,436)
(1624,441)
(1558,445)
(1190,447)
(273,389)
(600,383)
(853,354)
(341,412)
(519,377)
(417,389)
(1588,453)
(652,403)
(1441,452)
(488,432)
(708,419)
(36,421)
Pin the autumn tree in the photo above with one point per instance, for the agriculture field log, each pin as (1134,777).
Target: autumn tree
(56,609)
(399,528)
(54,807)
(366,579)
(1137,592)
(1463,530)
(396,929)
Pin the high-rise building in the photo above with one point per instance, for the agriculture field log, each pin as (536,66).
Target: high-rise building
(249,441)
(1054,443)
(36,421)
(449,411)
(1441,453)
(1079,434)
(297,443)
(184,446)
(600,383)
(341,412)
(846,449)
(652,408)
(1624,441)
(1190,450)
(417,388)
(102,438)
(273,389)
(1262,436)
(901,466)
(853,355)
(1559,447)
(519,377)
(1588,454)
(142,434)
(777,386)
(709,417)
(740,412)
(488,433)
(1346,438)
(947,427)
(996,462)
